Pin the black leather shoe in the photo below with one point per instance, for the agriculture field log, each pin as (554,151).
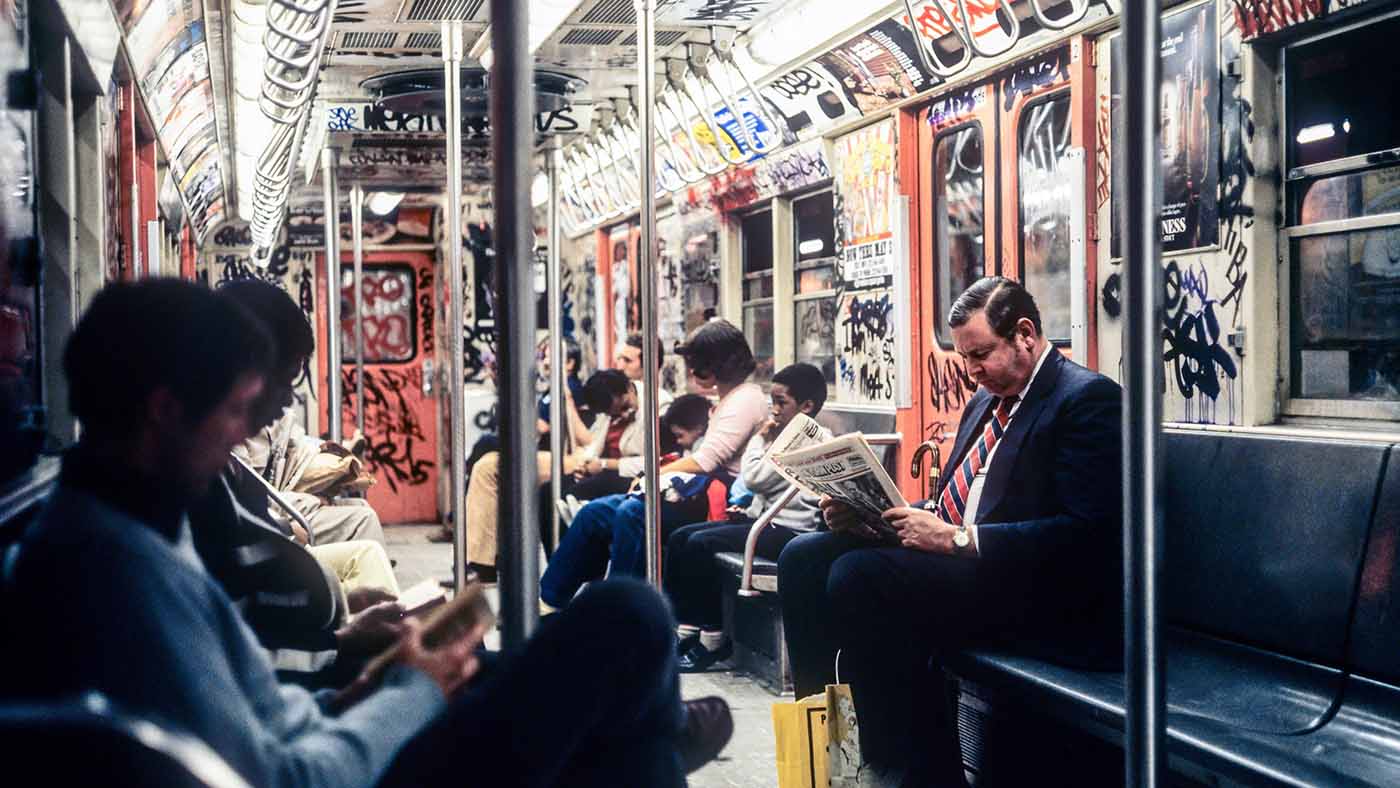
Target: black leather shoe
(699,659)
(708,726)
(687,643)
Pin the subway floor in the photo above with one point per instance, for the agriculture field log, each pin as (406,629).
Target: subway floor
(748,761)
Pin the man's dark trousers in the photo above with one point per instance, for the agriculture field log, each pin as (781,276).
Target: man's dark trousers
(888,609)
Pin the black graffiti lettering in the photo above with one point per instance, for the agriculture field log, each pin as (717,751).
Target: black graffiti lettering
(949,384)
(795,83)
(728,11)
(426,312)
(1112,295)
(1193,349)
(393,430)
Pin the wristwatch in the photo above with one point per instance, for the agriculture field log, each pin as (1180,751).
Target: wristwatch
(961,538)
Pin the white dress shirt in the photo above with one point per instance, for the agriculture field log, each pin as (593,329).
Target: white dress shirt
(974,492)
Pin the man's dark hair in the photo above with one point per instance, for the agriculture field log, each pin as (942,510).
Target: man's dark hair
(604,386)
(1006,301)
(574,353)
(718,348)
(635,340)
(806,383)
(279,313)
(689,411)
(159,333)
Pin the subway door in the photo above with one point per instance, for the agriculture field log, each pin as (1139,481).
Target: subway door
(401,417)
(957,245)
(1045,116)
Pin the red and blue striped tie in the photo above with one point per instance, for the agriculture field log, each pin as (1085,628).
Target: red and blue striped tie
(954,499)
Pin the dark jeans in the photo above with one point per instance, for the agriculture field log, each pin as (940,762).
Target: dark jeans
(693,580)
(592,699)
(888,609)
(595,486)
(609,529)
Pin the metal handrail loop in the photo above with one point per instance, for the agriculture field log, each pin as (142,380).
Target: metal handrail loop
(927,51)
(676,72)
(723,43)
(698,57)
(1077,10)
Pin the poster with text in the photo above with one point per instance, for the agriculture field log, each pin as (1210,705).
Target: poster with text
(878,67)
(1190,131)
(866,192)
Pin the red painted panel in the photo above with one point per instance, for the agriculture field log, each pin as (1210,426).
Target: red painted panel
(401,423)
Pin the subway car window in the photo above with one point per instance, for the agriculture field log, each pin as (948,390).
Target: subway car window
(1346,281)
(960,208)
(757,229)
(814,283)
(1042,142)
(1333,90)
(389,314)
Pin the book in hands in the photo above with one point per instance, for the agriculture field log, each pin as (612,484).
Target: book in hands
(422,597)
(844,468)
(444,625)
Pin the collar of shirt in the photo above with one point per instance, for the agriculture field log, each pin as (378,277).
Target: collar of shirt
(1040,362)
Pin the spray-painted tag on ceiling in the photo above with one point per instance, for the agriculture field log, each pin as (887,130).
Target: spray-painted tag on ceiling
(365,117)
(705,12)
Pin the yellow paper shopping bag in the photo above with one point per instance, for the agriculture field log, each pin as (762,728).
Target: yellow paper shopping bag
(800,729)
(843,737)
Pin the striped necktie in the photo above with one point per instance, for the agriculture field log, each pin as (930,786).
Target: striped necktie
(954,499)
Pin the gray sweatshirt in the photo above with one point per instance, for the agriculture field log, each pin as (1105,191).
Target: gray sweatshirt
(112,605)
(767,485)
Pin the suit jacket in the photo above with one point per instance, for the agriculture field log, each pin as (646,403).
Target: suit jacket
(1050,517)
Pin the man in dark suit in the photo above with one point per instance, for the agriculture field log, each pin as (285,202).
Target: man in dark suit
(1021,545)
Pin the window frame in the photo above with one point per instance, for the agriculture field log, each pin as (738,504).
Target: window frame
(1292,189)
(833,260)
(391,266)
(940,321)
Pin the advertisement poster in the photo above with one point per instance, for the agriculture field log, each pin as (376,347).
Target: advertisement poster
(878,67)
(1190,123)
(865,205)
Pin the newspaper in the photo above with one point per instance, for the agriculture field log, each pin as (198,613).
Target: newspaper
(846,469)
(802,431)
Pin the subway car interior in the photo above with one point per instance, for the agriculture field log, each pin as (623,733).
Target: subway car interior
(707,316)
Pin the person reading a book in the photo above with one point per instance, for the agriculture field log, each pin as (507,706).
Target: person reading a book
(692,578)
(609,531)
(164,376)
(1020,545)
(320,609)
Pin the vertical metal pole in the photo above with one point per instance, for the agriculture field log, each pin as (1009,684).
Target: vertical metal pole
(357,232)
(646,266)
(456,407)
(512,102)
(558,419)
(1142,413)
(331,198)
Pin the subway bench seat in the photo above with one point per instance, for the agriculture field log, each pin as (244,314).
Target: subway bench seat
(1283,613)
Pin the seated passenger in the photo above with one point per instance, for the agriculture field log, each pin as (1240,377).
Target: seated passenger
(692,579)
(718,358)
(163,377)
(1021,545)
(591,470)
(281,452)
(298,600)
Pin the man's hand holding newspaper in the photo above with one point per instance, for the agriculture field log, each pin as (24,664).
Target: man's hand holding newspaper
(854,488)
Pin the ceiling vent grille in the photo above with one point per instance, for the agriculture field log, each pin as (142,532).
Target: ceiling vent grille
(611,12)
(358,39)
(423,41)
(590,37)
(663,38)
(438,10)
